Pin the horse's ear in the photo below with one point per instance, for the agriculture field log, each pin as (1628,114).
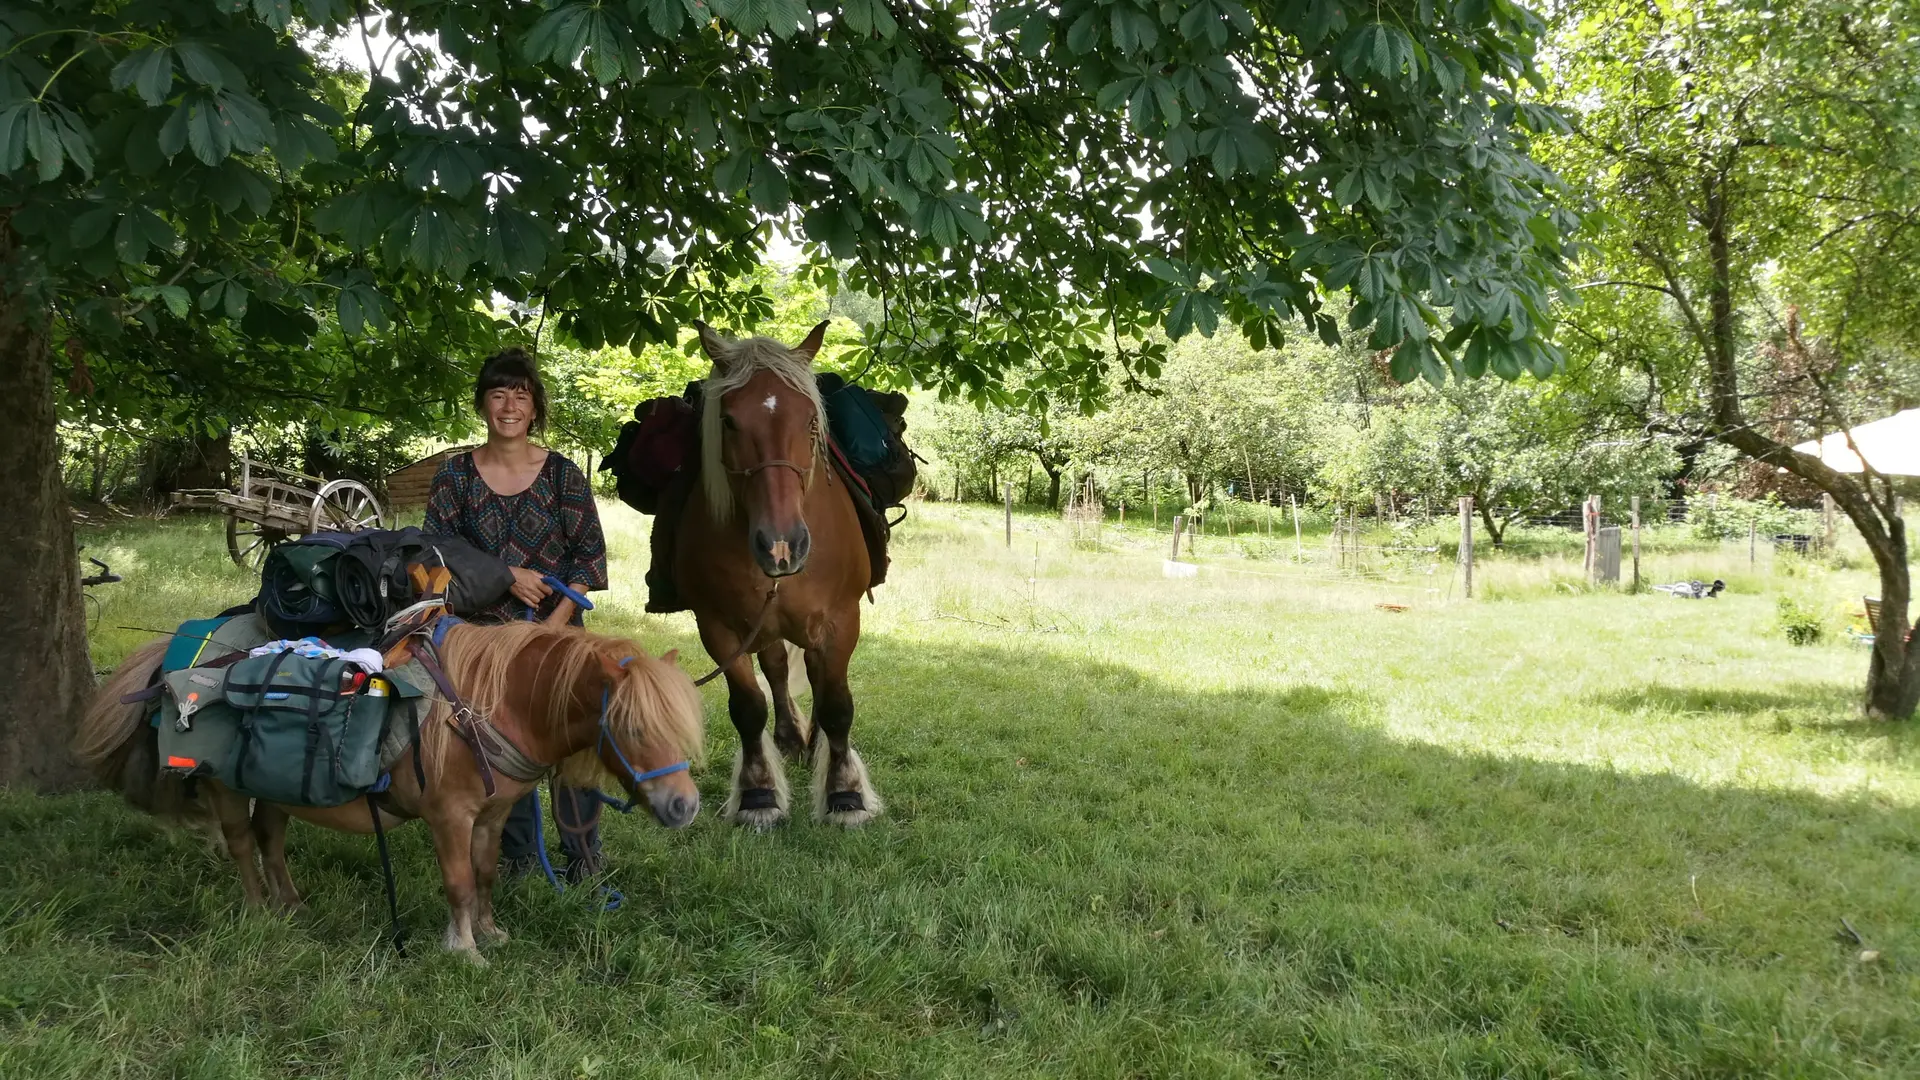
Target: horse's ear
(712,342)
(614,669)
(814,340)
(670,656)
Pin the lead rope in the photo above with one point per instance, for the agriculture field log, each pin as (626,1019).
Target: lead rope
(397,928)
(759,624)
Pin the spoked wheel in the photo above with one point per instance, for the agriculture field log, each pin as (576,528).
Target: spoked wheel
(248,542)
(346,506)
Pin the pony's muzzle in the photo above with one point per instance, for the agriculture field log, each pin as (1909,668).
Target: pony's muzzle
(674,809)
(781,554)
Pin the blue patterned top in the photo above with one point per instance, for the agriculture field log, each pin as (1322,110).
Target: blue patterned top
(552,527)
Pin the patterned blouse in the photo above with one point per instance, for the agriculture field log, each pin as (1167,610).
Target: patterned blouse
(552,527)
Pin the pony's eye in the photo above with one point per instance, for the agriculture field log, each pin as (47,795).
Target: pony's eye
(726,421)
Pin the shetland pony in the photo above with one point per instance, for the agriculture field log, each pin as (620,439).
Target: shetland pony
(542,687)
(769,551)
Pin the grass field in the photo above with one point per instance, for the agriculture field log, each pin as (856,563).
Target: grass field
(1244,824)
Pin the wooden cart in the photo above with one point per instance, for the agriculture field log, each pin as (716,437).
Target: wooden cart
(271,506)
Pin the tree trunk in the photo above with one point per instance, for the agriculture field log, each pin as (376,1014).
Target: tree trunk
(1053,486)
(1893,672)
(1496,531)
(44,667)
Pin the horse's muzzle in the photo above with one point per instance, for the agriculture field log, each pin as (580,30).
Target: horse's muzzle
(675,810)
(781,555)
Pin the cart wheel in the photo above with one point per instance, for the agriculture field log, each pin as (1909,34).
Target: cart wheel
(346,506)
(249,542)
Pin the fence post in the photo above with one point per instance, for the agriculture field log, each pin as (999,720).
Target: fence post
(1636,543)
(1294,501)
(1177,522)
(1753,543)
(1588,527)
(1826,521)
(1466,543)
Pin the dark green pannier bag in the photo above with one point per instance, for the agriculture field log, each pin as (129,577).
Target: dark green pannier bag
(303,731)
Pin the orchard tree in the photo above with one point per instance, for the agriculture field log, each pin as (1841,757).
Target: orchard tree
(1734,152)
(983,170)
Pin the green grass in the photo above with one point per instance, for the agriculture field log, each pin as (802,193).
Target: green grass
(1236,825)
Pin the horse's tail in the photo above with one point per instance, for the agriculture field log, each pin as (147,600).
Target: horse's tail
(115,741)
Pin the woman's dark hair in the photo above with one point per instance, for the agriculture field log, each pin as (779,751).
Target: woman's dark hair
(512,369)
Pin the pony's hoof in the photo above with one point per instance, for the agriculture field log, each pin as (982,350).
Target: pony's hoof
(471,954)
(493,935)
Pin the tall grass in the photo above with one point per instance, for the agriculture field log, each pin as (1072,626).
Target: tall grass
(1234,825)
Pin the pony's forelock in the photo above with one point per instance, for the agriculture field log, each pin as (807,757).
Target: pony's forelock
(738,363)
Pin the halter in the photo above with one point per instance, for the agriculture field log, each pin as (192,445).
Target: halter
(633,777)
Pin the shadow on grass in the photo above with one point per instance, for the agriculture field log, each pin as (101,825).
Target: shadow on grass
(1085,871)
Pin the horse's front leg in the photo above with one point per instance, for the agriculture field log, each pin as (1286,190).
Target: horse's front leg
(758,796)
(843,793)
(790,729)
(486,870)
(234,813)
(453,836)
(270,832)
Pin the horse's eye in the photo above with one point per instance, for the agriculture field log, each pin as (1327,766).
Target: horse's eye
(726,421)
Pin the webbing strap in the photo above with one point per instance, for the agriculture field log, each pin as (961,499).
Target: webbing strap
(397,928)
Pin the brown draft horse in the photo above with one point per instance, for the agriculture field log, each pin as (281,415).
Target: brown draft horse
(542,687)
(769,551)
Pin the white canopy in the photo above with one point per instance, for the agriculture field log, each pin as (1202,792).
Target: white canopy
(1891,446)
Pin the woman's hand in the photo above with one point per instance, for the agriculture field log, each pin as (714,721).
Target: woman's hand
(563,611)
(528,588)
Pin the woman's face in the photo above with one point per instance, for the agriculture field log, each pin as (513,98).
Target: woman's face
(508,411)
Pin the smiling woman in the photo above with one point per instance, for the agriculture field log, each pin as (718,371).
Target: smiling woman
(534,509)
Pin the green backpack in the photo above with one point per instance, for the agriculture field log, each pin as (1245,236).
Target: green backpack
(291,729)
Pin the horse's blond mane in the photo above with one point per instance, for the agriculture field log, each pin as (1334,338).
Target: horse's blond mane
(738,363)
(656,700)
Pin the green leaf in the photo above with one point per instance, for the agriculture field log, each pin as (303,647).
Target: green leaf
(244,119)
(604,53)
(275,13)
(43,138)
(236,301)
(176,299)
(207,132)
(173,133)
(350,217)
(768,188)
(129,242)
(210,296)
(13,137)
(149,71)
(200,65)
(1380,191)
(75,140)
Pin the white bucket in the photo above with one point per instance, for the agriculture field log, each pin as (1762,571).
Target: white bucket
(1175,569)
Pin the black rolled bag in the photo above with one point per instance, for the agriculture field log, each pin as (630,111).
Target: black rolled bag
(326,581)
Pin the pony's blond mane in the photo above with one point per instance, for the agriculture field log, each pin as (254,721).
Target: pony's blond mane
(655,701)
(738,363)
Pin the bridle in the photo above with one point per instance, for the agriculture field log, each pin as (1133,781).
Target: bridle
(633,777)
(806,474)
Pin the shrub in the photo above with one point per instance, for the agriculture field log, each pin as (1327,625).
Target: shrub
(1800,622)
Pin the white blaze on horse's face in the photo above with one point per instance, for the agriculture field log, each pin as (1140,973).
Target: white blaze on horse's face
(772,403)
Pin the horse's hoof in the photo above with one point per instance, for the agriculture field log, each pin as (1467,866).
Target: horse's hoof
(849,819)
(493,935)
(760,820)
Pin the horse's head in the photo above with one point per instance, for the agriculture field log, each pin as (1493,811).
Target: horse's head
(761,441)
(652,729)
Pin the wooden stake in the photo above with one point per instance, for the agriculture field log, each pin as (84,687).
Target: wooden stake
(1753,542)
(1636,543)
(1295,503)
(1826,521)
(1009,513)
(1177,522)
(1466,544)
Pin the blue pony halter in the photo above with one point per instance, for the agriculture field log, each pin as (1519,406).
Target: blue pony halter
(633,776)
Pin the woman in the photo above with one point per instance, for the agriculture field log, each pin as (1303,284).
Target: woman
(534,509)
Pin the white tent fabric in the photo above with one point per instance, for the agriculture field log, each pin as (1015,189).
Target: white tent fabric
(1891,446)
